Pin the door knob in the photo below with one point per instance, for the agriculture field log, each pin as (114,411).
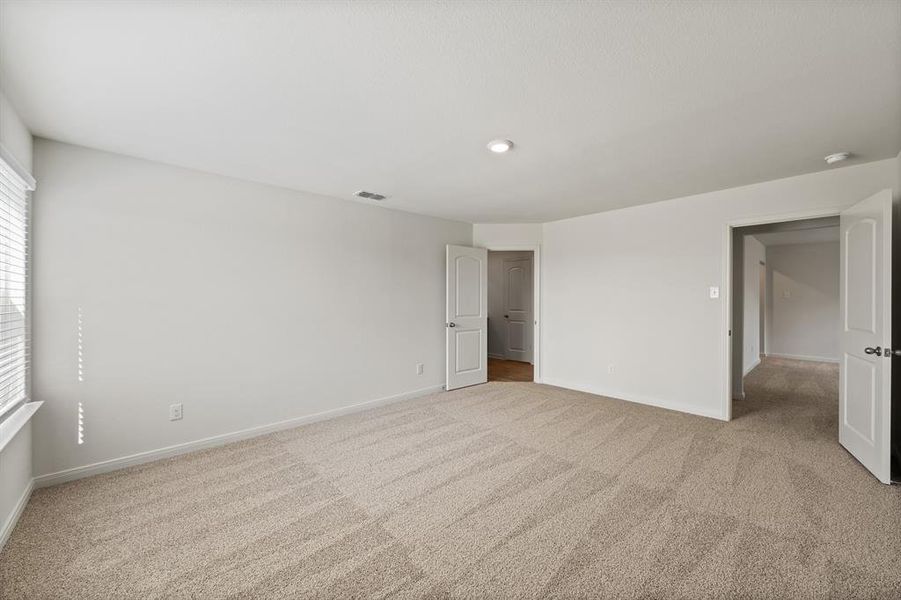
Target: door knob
(451,324)
(506,316)
(877,350)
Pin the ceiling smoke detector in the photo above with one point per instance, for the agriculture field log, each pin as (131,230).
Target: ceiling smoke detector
(369,195)
(837,157)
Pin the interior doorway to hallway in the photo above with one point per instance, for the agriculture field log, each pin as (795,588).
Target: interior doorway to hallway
(785,294)
(858,341)
(787,330)
(511,315)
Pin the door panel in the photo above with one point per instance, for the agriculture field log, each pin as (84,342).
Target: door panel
(860,394)
(516,337)
(865,370)
(466,316)
(518,320)
(860,304)
(468,297)
(469,350)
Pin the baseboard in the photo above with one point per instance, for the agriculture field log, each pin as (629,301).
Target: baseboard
(802,357)
(131,460)
(13,518)
(678,407)
(497,356)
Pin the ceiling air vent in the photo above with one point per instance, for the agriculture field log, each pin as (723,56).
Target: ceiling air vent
(370,195)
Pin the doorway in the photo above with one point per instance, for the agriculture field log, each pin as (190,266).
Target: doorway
(517,329)
(785,280)
(511,315)
(827,324)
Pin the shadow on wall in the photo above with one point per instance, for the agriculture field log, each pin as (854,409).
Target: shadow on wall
(803,300)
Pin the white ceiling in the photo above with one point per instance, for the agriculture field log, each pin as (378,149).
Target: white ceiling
(800,236)
(610,104)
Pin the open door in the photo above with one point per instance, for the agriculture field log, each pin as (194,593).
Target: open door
(467,316)
(865,375)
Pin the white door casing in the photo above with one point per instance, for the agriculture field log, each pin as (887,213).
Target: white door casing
(865,370)
(517,324)
(466,323)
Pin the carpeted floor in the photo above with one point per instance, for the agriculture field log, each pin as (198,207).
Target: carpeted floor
(497,491)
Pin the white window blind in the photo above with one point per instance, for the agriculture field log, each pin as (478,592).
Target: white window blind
(14,324)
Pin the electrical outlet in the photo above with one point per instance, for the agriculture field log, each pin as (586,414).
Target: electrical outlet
(175,412)
(714,292)
(419,368)
(611,369)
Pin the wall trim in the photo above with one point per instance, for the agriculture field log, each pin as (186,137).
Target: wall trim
(13,518)
(139,458)
(824,359)
(647,401)
(497,356)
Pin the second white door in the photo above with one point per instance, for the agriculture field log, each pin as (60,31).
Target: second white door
(517,324)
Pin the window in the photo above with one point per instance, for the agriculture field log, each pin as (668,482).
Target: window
(14,284)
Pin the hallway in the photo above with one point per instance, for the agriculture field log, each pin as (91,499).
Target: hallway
(509,370)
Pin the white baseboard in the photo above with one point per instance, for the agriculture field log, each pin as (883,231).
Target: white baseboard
(13,518)
(825,359)
(676,406)
(217,440)
(498,356)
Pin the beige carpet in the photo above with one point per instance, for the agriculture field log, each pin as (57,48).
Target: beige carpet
(498,491)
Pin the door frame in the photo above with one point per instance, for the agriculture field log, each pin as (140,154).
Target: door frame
(535,249)
(726,292)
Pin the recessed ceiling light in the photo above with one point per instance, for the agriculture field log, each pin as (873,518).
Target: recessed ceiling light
(837,157)
(500,146)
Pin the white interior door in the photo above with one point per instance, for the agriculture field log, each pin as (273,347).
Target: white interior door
(518,309)
(865,375)
(467,316)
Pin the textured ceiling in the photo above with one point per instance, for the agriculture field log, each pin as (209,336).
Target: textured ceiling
(610,103)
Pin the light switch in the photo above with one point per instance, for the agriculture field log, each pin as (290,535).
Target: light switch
(714,292)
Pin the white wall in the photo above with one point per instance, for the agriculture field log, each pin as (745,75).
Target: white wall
(629,288)
(804,301)
(754,254)
(14,136)
(248,304)
(496,322)
(499,235)
(15,457)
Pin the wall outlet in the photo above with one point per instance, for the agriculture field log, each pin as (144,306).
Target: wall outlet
(611,368)
(419,368)
(175,412)
(714,292)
